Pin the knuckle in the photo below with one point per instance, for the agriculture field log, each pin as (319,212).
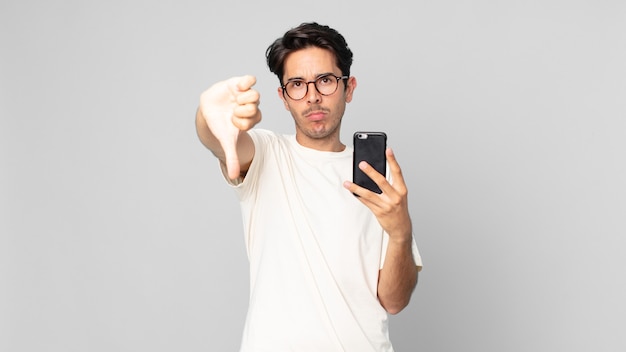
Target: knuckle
(247,110)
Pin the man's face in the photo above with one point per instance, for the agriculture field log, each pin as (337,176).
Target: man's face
(317,117)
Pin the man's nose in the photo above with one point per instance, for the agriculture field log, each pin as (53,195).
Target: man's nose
(312,95)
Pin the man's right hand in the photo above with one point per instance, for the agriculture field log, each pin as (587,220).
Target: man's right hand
(229,107)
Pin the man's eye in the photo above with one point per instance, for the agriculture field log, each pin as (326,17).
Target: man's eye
(327,81)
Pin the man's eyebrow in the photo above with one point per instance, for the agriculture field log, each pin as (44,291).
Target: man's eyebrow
(316,77)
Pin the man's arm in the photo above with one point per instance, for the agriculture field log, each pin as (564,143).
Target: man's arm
(245,146)
(227,110)
(398,277)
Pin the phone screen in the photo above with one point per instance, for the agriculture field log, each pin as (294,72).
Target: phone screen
(370,147)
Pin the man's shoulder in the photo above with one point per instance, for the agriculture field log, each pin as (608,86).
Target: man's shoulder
(265,132)
(262,136)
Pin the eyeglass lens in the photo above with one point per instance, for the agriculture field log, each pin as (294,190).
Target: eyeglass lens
(325,85)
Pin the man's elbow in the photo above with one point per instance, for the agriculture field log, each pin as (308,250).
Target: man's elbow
(396,303)
(396,307)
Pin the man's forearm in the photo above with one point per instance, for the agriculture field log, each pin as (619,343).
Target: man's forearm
(206,136)
(398,277)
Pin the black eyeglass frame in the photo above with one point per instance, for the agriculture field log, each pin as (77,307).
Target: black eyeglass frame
(284,86)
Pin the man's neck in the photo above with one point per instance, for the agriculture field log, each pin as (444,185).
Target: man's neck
(330,144)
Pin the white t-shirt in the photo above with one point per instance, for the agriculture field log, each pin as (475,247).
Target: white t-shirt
(314,252)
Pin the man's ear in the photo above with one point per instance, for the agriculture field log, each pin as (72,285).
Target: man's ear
(281,95)
(350,87)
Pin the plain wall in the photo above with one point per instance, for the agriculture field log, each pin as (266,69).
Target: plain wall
(507,117)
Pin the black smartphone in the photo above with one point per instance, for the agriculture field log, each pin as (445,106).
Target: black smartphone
(369,146)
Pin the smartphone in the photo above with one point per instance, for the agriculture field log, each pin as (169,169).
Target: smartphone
(369,146)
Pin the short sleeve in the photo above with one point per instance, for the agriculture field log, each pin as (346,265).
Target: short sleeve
(416,254)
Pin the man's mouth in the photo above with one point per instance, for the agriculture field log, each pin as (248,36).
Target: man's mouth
(315,115)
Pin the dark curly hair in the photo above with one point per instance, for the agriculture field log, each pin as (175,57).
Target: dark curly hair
(304,36)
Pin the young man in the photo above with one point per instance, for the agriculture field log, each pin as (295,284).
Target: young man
(326,267)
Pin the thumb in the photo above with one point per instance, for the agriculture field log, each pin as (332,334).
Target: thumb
(231,158)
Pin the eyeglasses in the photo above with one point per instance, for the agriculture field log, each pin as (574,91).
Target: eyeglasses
(326,84)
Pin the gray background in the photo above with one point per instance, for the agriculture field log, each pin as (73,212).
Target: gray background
(508,118)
